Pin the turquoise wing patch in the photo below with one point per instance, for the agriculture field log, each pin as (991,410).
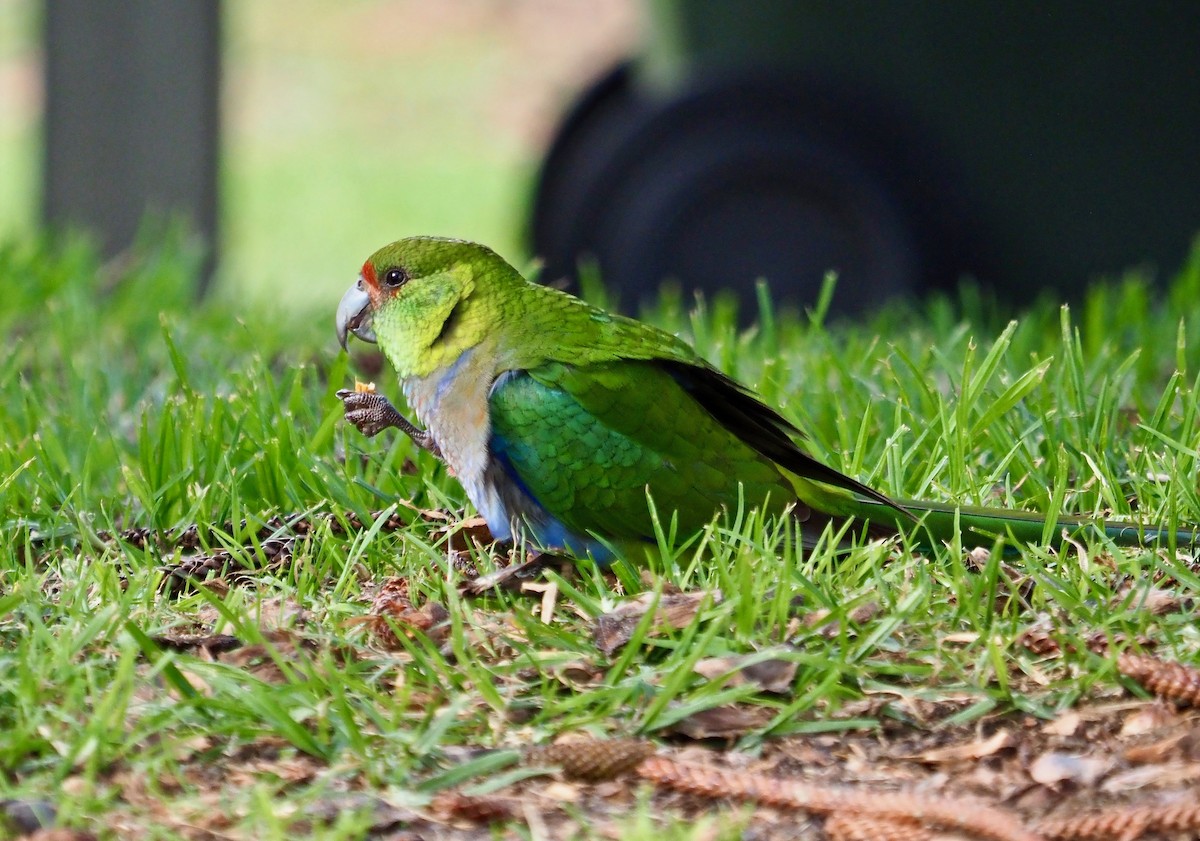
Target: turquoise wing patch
(587,442)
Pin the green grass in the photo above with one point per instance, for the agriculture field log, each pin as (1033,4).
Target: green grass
(125,404)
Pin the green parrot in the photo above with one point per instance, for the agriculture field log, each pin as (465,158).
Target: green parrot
(561,419)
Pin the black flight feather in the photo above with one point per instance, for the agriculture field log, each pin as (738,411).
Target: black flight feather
(761,427)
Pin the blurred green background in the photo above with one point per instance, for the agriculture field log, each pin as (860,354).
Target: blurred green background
(348,125)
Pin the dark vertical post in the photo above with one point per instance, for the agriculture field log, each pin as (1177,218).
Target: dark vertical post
(131,115)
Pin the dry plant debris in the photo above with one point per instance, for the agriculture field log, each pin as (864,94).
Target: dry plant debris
(1125,823)
(1107,770)
(726,722)
(672,610)
(392,610)
(854,827)
(1174,681)
(1169,741)
(861,812)
(592,760)
(773,675)
(977,818)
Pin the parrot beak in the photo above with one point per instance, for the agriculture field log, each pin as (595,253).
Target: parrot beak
(353,314)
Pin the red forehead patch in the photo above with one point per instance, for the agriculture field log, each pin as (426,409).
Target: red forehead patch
(368,273)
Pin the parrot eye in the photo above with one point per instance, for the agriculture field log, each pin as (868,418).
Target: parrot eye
(395,277)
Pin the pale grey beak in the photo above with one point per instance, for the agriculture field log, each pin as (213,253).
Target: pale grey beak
(354,316)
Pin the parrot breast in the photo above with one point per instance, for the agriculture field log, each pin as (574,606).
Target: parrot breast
(452,403)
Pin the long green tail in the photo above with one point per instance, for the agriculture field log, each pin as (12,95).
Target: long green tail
(939,523)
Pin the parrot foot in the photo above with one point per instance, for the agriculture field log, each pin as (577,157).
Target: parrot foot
(371,413)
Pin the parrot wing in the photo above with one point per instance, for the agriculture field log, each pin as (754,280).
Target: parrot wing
(586,443)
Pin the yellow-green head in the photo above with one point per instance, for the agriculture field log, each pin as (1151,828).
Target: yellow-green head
(426,300)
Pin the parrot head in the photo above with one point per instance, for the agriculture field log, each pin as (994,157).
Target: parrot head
(424,300)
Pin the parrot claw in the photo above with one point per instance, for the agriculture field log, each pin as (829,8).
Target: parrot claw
(371,413)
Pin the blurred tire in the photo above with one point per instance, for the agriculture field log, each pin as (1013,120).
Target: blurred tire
(724,182)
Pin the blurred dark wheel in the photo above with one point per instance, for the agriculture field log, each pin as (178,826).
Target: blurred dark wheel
(729,181)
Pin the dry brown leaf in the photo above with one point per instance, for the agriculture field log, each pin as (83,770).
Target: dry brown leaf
(977,558)
(383,815)
(1155,600)
(392,609)
(816,618)
(616,628)
(561,791)
(727,722)
(821,621)
(276,612)
(286,768)
(218,586)
(1065,725)
(263,659)
(1147,719)
(961,637)
(578,674)
(978,749)
(471,533)
(774,675)
(1052,768)
(1154,752)
(456,806)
